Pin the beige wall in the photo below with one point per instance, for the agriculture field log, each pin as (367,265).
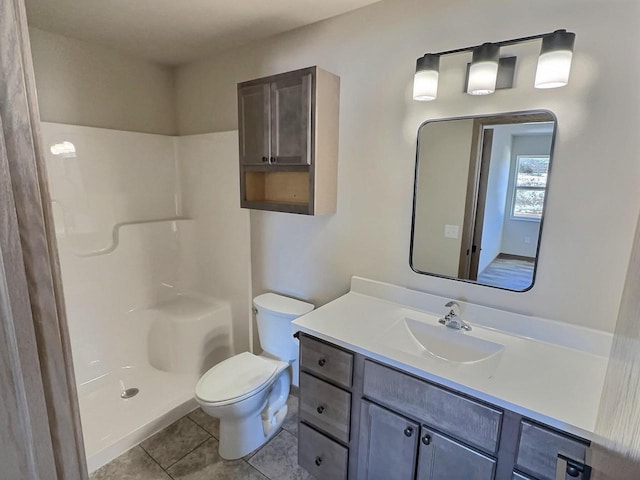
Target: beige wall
(445,152)
(80,83)
(585,246)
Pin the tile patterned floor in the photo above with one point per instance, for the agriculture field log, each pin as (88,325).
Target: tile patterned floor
(188,450)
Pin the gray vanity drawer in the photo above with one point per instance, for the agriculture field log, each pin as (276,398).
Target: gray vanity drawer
(321,456)
(539,447)
(326,361)
(519,476)
(472,422)
(325,406)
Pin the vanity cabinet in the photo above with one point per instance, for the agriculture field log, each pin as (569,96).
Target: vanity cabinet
(403,427)
(288,140)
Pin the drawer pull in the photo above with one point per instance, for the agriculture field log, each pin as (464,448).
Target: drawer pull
(321,362)
(408,431)
(566,466)
(318,461)
(426,439)
(572,471)
(320,409)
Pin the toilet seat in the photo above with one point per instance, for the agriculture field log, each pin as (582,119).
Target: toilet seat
(237,378)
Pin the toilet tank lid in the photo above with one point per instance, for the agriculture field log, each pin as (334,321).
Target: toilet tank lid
(281,304)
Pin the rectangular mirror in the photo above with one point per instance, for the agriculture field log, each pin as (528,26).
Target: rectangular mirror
(480,197)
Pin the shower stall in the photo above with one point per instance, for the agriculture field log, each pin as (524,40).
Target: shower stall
(144,238)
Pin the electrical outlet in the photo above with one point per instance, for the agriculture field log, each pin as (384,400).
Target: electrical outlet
(451,231)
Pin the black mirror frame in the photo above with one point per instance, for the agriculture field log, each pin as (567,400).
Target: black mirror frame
(554,118)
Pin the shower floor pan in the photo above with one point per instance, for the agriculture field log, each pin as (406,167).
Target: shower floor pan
(112,424)
(141,375)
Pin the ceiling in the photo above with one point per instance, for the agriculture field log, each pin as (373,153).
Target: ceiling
(173,32)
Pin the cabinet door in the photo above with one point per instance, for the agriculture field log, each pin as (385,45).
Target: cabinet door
(254,122)
(388,445)
(291,119)
(442,458)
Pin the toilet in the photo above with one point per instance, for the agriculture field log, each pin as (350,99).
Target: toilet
(248,392)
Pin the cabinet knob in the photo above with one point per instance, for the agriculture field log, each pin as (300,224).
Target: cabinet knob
(568,467)
(274,159)
(572,471)
(426,439)
(321,362)
(265,159)
(320,409)
(318,461)
(408,431)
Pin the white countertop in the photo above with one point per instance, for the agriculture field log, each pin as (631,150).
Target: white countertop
(548,371)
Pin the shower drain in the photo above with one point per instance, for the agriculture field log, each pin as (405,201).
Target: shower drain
(129,392)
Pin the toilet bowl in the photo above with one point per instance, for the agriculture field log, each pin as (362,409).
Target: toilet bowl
(248,392)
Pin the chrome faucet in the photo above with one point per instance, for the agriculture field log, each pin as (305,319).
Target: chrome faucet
(453,318)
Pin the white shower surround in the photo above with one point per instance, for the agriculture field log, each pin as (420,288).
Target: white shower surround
(141,311)
(132,326)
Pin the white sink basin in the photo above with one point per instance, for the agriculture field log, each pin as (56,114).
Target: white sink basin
(457,346)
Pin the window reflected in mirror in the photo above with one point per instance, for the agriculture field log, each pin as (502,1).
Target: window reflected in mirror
(530,186)
(480,196)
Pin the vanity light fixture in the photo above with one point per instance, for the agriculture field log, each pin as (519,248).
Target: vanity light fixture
(425,82)
(483,72)
(487,72)
(554,62)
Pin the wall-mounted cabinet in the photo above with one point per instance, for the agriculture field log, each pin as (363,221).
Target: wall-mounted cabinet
(288,133)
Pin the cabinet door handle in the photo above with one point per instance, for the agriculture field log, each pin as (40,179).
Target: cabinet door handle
(408,431)
(321,362)
(566,466)
(318,461)
(426,439)
(572,471)
(320,409)
(265,159)
(274,159)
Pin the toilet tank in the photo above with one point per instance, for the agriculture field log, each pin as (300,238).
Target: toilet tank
(274,314)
